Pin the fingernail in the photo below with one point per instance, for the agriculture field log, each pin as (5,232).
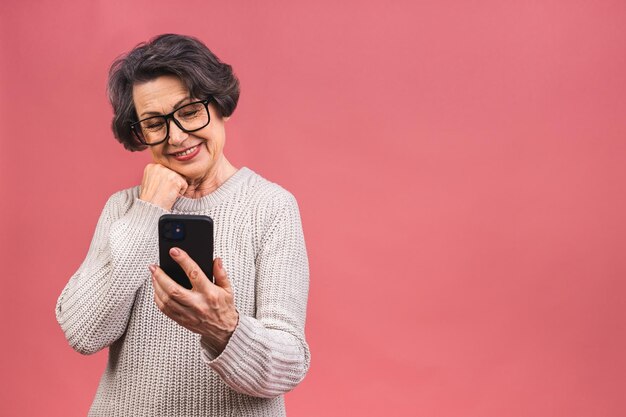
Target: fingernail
(175,251)
(221,264)
(152,268)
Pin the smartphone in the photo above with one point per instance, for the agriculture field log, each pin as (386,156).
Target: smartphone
(191,233)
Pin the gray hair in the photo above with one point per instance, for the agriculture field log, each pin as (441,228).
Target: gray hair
(183,56)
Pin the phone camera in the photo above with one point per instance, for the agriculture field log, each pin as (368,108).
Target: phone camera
(174,231)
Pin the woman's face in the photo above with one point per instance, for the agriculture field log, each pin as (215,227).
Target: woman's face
(194,155)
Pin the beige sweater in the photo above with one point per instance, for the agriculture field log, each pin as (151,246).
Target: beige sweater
(157,367)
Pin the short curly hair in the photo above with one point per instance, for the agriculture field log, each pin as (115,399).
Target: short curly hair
(183,56)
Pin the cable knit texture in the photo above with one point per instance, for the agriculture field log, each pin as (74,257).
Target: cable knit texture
(157,367)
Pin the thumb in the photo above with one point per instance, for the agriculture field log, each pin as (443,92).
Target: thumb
(221,277)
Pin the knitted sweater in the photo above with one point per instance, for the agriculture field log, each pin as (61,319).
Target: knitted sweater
(157,367)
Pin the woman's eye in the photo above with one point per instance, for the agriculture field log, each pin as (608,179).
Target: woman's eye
(188,114)
(154,126)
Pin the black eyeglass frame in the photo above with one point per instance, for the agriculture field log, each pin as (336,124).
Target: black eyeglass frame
(135,126)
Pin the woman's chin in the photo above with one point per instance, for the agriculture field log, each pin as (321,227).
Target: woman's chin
(197,168)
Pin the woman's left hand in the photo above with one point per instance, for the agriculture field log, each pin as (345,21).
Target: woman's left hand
(207,309)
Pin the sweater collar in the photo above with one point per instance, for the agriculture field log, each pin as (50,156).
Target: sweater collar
(223,192)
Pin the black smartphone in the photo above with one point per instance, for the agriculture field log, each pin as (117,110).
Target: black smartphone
(191,233)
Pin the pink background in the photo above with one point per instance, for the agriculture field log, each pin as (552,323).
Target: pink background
(459,167)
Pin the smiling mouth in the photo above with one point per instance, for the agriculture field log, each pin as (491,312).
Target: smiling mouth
(187,151)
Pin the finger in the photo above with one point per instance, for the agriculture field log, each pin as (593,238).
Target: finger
(197,277)
(185,315)
(176,179)
(167,305)
(167,289)
(183,186)
(221,277)
(173,309)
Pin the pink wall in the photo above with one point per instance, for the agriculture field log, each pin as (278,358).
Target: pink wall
(459,165)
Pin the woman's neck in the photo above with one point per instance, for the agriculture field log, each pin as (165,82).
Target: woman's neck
(212,181)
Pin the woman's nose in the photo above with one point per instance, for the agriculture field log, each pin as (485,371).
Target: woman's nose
(177,135)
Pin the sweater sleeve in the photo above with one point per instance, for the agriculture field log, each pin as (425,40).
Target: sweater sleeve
(267,355)
(94,307)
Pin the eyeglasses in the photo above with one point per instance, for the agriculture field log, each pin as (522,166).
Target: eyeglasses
(189,118)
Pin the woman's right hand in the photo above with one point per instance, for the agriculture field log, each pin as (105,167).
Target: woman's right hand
(161,186)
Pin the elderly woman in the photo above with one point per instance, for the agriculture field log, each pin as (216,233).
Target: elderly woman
(229,348)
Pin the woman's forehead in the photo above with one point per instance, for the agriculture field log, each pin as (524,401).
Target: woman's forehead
(159,95)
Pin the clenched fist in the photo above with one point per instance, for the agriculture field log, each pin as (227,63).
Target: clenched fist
(161,186)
